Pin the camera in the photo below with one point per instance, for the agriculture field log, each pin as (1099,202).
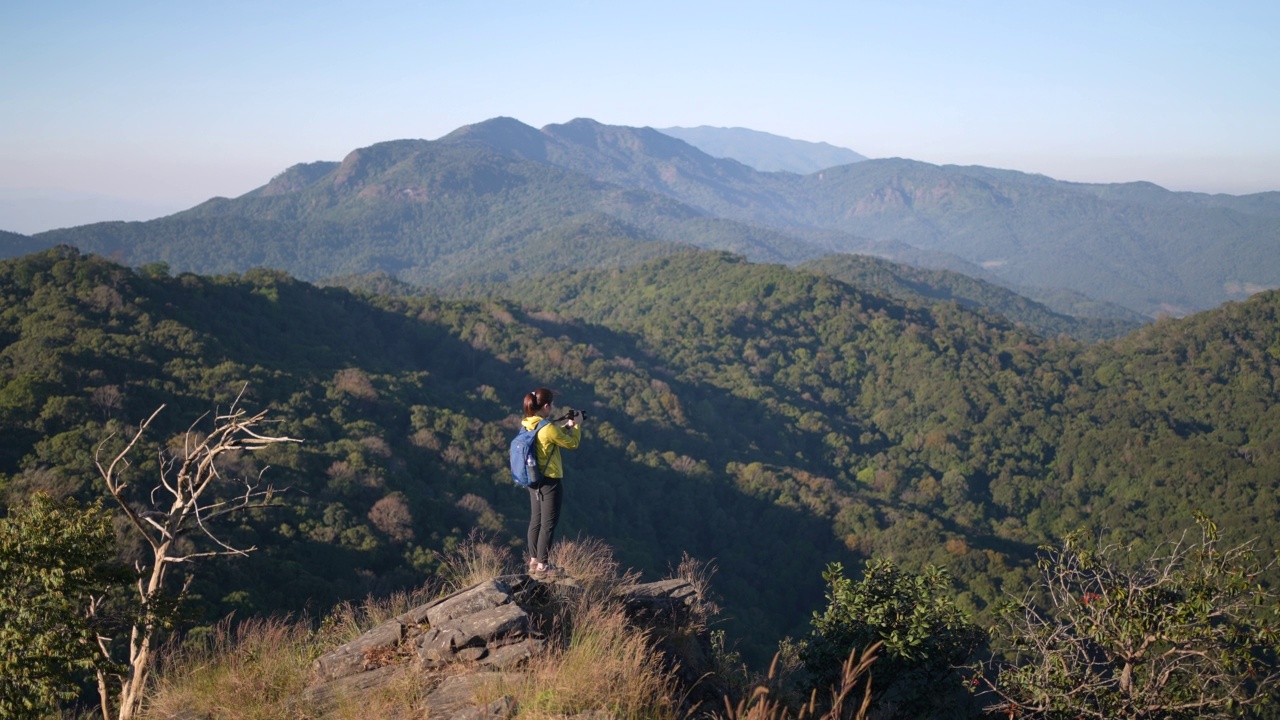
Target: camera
(575,415)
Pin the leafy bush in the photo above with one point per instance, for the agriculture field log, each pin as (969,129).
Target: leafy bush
(55,558)
(925,636)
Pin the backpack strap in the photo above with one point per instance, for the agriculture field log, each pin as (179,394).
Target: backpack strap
(537,430)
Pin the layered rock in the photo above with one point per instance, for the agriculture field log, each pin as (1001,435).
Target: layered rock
(483,633)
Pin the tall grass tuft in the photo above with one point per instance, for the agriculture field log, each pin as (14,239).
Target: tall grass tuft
(762,703)
(698,574)
(591,564)
(596,659)
(257,670)
(253,671)
(476,559)
(606,665)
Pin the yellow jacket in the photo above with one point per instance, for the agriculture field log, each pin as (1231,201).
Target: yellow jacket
(550,439)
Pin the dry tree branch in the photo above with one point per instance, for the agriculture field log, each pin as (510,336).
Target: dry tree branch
(192,506)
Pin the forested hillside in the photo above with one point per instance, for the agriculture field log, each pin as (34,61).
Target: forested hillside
(939,395)
(766,419)
(431,213)
(918,285)
(14,244)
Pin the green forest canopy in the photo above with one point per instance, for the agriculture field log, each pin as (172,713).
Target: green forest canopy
(765,419)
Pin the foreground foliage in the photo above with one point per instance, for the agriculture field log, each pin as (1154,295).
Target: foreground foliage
(55,561)
(1188,632)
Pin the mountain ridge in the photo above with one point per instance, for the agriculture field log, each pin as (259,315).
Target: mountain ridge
(404,206)
(764,151)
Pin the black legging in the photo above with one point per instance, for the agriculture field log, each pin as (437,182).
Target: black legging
(544,513)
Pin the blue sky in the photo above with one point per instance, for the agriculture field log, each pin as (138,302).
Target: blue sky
(151,107)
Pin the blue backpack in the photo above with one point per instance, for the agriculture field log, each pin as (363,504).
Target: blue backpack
(524,458)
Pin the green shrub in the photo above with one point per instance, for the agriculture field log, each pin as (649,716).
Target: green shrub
(55,558)
(925,637)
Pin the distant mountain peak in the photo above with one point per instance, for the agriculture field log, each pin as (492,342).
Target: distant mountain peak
(764,151)
(361,164)
(503,134)
(631,141)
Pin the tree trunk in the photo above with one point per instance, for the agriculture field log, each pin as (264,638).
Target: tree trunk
(140,647)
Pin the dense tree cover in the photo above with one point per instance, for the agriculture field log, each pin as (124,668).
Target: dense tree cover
(14,244)
(1136,245)
(770,420)
(405,408)
(955,438)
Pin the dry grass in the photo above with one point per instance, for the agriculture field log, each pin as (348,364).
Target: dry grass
(396,701)
(252,672)
(476,559)
(592,566)
(596,659)
(607,665)
(762,704)
(698,574)
(257,670)
(347,621)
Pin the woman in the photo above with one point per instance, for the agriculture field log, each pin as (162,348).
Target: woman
(544,500)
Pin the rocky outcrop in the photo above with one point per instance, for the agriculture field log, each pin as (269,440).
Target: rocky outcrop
(665,600)
(478,635)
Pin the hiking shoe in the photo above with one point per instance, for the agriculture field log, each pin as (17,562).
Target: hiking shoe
(545,570)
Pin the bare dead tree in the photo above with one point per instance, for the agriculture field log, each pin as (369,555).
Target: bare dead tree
(187,499)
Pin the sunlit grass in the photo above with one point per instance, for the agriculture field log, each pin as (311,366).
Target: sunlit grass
(851,699)
(255,671)
(474,561)
(258,669)
(605,664)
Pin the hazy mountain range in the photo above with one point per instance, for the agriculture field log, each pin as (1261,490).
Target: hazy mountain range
(500,200)
(764,151)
